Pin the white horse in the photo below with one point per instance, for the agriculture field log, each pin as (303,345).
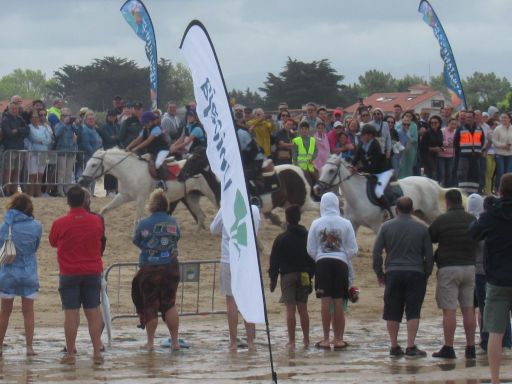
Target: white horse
(424,192)
(136,184)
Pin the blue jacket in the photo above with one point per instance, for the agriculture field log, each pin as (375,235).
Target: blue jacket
(14,140)
(20,278)
(89,141)
(157,237)
(64,137)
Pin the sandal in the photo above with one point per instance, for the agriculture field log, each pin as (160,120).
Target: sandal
(319,345)
(340,347)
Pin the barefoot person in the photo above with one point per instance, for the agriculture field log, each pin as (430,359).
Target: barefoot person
(409,263)
(20,277)
(217,228)
(332,244)
(155,284)
(289,258)
(78,239)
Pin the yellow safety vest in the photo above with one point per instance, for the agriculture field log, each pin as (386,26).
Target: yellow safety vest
(304,157)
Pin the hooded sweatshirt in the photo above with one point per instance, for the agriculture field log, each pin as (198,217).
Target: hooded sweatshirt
(495,226)
(331,236)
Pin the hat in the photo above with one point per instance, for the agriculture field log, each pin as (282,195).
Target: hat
(147,117)
(337,124)
(238,107)
(485,114)
(338,111)
(492,110)
(377,109)
(475,204)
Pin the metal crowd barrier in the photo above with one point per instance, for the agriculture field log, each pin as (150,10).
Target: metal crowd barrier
(197,289)
(59,167)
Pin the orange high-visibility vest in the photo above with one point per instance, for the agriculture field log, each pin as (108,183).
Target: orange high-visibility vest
(471,142)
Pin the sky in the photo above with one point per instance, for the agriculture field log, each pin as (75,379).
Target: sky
(254,37)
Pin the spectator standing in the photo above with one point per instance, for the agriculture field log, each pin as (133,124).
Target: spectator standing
(311,116)
(20,279)
(322,145)
(89,141)
(14,131)
(109,136)
(289,259)
(217,228)
(262,130)
(284,142)
(154,285)
(502,141)
(433,144)
(332,244)
(39,140)
(455,258)
(490,184)
(131,127)
(494,227)
(383,135)
(54,112)
(66,146)
(78,239)
(333,136)
(445,158)
(408,265)
(408,134)
(171,125)
(304,152)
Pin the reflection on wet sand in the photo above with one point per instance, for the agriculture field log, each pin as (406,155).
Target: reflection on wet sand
(208,360)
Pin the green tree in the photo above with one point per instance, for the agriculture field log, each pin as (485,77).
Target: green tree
(247,98)
(506,103)
(28,83)
(300,82)
(437,83)
(403,84)
(485,89)
(373,81)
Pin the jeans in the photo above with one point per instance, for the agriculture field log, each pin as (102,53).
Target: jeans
(445,171)
(503,165)
(480,282)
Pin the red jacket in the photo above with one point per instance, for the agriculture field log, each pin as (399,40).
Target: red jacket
(77,237)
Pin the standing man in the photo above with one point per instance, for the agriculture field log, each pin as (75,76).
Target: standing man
(332,244)
(397,112)
(408,265)
(217,228)
(495,226)
(171,125)
(456,258)
(78,239)
(469,142)
(289,258)
(311,117)
(131,127)
(304,151)
(66,145)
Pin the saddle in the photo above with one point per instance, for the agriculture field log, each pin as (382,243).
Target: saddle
(266,182)
(173,170)
(392,192)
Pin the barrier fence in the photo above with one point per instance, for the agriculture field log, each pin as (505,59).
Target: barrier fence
(197,290)
(44,168)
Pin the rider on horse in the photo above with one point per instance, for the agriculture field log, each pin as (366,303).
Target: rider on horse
(370,159)
(153,141)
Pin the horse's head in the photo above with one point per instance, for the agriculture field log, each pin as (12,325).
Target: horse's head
(93,169)
(196,163)
(330,175)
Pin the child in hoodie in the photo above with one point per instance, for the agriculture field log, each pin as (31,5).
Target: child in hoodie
(332,244)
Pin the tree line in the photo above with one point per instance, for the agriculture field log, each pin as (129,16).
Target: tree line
(95,84)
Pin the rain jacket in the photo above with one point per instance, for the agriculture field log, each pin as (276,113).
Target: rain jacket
(331,236)
(20,278)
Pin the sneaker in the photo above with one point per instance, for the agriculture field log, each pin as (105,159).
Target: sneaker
(396,351)
(470,352)
(414,352)
(445,353)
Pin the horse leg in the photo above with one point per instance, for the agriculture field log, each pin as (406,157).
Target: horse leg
(173,205)
(118,200)
(195,209)
(274,219)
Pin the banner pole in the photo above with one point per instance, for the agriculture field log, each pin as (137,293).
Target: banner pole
(200,25)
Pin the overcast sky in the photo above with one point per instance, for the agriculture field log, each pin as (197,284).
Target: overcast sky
(254,37)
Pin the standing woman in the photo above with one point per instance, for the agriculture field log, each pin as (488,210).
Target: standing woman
(89,141)
(20,277)
(408,133)
(40,140)
(155,284)
(433,142)
(446,157)
(322,143)
(502,140)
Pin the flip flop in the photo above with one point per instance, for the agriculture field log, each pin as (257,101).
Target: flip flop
(320,346)
(167,343)
(340,347)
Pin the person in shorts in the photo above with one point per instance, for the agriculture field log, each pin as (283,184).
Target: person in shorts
(78,239)
(156,282)
(494,226)
(289,258)
(332,244)
(455,258)
(217,228)
(408,265)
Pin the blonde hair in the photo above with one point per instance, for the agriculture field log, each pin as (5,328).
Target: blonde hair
(158,201)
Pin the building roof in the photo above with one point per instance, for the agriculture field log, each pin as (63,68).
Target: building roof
(408,100)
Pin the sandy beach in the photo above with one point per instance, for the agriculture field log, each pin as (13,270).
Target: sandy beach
(365,361)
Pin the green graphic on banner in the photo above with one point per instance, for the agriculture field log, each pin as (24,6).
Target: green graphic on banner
(238,230)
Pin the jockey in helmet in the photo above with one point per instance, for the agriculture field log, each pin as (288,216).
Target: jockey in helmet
(370,159)
(152,140)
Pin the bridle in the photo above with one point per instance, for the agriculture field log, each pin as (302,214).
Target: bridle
(326,185)
(102,169)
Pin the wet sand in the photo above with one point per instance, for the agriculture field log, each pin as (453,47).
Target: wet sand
(365,361)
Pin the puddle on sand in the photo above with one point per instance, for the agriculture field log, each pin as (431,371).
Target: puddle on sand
(364,361)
